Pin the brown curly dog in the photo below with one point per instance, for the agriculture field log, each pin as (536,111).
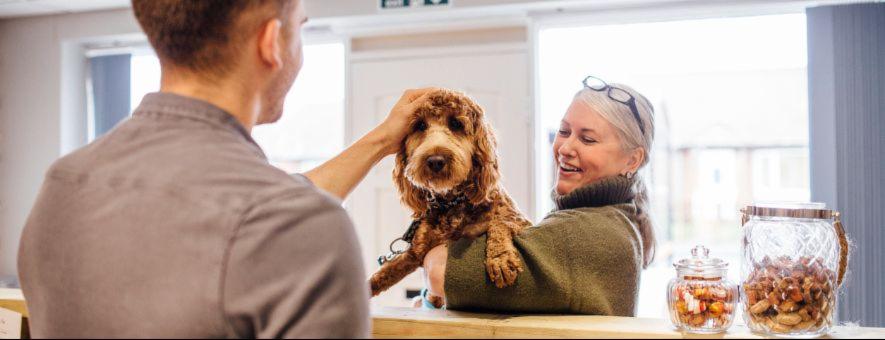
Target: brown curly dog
(447,174)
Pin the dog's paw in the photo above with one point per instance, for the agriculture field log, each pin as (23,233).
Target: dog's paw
(437,301)
(504,268)
(376,286)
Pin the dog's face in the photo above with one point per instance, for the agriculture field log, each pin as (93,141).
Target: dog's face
(439,149)
(449,147)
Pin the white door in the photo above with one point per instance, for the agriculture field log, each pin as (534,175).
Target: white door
(496,77)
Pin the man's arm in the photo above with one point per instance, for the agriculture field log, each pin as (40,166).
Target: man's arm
(341,174)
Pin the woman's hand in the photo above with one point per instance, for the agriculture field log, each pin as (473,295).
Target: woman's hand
(395,127)
(435,270)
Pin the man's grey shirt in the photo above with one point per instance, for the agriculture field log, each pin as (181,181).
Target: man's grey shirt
(175,225)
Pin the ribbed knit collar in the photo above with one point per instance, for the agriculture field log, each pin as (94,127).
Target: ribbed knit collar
(607,191)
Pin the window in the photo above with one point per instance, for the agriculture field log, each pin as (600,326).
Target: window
(731,118)
(144,77)
(311,129)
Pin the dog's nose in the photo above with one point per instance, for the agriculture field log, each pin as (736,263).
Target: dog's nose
(436,163)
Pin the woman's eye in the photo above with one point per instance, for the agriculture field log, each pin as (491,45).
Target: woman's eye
(420,125)
(587,140)
(563,132)
(455,125)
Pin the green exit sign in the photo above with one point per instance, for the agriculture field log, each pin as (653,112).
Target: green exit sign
(387,4)
(396,4)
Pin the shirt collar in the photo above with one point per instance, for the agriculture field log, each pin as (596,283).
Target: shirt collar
(165,103)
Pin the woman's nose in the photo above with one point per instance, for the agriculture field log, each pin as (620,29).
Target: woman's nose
(566,149)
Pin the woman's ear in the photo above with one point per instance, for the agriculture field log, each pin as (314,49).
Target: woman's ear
(635,160)
(413,197)
(484,175)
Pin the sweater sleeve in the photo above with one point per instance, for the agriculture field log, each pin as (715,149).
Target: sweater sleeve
(581,261)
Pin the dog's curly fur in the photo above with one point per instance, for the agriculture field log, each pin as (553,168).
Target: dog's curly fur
(450,129)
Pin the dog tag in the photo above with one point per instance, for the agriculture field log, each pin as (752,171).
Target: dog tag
(386,258)
(397,252)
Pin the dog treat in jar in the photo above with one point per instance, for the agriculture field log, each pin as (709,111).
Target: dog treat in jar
(795,257)
(700,298)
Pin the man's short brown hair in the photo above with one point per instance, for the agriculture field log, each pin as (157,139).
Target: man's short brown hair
(201,35)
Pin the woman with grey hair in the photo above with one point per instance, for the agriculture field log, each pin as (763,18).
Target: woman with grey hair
(586,255)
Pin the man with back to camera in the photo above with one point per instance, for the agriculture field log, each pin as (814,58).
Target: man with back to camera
(174,224)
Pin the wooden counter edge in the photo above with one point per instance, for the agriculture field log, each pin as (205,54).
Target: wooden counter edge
(394,322)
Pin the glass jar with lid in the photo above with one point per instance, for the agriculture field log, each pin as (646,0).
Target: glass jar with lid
(794,259)
(700,299)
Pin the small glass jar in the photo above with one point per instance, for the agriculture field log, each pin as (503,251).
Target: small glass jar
(700,299)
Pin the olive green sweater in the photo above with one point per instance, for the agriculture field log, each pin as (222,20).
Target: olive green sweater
(583,258)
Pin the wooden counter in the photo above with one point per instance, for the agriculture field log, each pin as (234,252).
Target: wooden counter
(419,323)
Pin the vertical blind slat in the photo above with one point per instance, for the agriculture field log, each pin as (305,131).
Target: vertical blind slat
(110,89)
(846,105)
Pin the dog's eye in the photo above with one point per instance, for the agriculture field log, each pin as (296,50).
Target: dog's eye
(455,124)
(420,125)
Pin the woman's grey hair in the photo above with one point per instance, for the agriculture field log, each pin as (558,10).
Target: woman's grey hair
(621,117)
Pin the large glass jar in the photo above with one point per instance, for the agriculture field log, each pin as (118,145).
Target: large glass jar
(700,298)
(794,259)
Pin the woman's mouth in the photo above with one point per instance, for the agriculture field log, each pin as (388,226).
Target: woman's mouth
(568,169)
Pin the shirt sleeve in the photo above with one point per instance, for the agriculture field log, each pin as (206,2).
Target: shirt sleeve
(294,271)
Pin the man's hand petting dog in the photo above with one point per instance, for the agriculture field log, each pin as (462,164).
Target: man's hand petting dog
(396,126)
(340,175)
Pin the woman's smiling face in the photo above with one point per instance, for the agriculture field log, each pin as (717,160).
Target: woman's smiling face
(588,148)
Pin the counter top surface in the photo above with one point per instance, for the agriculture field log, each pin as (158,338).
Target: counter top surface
(421,323)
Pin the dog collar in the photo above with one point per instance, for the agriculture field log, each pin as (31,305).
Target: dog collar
(444,206)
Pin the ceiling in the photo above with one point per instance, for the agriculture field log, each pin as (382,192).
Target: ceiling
(351,9)
(19,8)
(318,8)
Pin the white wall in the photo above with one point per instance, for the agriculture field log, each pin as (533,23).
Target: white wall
(42,105)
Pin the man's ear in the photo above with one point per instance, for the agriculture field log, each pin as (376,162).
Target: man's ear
(270,50)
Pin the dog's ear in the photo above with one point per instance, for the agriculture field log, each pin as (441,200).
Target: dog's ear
(484,175)
(412,196)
